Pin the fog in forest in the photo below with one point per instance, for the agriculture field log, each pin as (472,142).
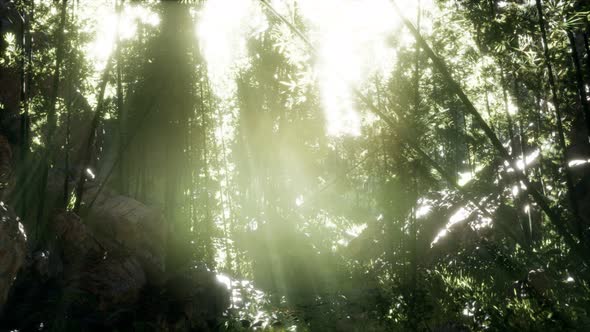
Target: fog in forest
(294,165)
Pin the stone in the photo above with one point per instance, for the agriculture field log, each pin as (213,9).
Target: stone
(13,246)
(122,222)
(199,296)
(114,282)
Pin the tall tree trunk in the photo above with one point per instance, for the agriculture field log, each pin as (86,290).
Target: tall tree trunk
(511,136)
(52,109)
(209,250)
(580,80)
(587,50)
(47,158)
(122,117)
(514,140)
(25,126)
(90,141)
(414,188)
(524,207)
(559,118)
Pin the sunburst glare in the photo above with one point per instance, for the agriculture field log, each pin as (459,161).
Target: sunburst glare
(101,47)
(351,42)
(222,36)
(350,37)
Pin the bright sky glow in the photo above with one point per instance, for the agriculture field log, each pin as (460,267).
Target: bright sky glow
(107,23)
(222,36)
(350,37)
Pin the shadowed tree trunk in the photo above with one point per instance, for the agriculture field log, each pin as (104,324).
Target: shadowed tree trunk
(559,119)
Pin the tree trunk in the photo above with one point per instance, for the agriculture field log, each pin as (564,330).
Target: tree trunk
(87,153)
(580,80)
(559,118)
(25,125)
(122,117)
(47,158)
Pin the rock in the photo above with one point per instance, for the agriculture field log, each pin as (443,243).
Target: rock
(75,240)
(113,282)
(13,243)
(109,275)
(5,165)
(123,222)
(5,162)
(199,297)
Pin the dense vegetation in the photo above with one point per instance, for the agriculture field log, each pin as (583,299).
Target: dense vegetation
(335,165)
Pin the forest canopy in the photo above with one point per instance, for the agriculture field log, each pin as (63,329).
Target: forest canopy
(294,165)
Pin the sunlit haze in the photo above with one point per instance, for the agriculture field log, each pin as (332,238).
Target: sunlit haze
(350,36)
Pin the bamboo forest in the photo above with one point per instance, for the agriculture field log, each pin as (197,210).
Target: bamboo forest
(295,165)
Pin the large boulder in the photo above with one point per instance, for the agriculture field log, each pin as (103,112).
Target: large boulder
(123,222)
(13,246)
(12,234)
(5,166)
(196,299)
(75,241)
(112,283)
(108,276)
